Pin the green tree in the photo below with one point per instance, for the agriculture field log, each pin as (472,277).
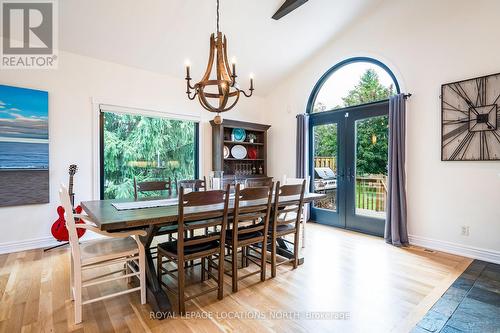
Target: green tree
(133,146)
(371,133)
(369,89)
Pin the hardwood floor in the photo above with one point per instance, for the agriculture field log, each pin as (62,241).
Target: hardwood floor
(377,287)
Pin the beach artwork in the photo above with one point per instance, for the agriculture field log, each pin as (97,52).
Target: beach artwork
(24,146)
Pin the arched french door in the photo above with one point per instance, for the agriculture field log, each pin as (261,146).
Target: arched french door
(348,141)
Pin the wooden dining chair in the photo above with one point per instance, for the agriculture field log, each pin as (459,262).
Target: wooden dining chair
(249,227)
(303,217)
(193,184)
(152,186)
(156,186)
(117,248)
(207,248)
(286,221)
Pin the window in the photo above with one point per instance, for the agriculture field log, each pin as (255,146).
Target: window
(354,82)
(147,148)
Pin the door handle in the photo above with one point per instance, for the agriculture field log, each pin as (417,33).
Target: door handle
(350,174)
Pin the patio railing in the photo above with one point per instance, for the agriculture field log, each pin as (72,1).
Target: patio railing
(371,192)
(325,162)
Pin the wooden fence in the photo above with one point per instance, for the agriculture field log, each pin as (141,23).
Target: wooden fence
(371,192)
(325,162)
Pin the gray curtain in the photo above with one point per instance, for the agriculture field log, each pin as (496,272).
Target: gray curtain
(301,152)
(302,136)
(396,232)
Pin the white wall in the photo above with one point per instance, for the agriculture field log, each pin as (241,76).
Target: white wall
(72,87)
(426,43)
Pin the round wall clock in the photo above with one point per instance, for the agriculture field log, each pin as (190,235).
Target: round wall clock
(470,119)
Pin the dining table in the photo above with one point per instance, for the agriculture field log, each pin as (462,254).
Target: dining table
(117,215)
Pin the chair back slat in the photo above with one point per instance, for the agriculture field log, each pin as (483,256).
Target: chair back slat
(152,186)
(253,216)
(201,240)
(247,230)
(258,182)
(192,199)
(292,189)
(194,184)
(254,193)
(293,181)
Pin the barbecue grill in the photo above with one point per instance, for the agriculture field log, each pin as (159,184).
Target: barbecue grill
(325,179)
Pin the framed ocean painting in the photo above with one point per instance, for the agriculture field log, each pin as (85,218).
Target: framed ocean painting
(24,146)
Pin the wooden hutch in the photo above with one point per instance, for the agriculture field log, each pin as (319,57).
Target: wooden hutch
(244,167)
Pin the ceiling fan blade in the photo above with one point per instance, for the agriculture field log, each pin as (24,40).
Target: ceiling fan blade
(288,7)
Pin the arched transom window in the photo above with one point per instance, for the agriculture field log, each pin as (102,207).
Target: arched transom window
(354,82)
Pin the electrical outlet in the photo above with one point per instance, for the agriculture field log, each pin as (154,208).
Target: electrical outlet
(465,230)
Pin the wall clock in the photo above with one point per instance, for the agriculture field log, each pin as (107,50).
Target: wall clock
(470,119)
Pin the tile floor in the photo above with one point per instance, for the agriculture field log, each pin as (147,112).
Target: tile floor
(471,304)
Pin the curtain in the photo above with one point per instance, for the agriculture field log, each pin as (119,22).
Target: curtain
(396,232)
(301,154)
(302,134)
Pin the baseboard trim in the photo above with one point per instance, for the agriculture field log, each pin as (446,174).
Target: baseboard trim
(454,248)
(29,244)
(37,243)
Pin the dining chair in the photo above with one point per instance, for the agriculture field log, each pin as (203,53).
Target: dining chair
(156,186)
(152,186)
(304,215)
(117,248)
(286,221)
(193,184)
(251,205)
(207,248)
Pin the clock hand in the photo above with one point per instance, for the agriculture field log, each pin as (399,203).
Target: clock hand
(464,96)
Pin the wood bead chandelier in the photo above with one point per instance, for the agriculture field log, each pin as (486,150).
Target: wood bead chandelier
(221,93)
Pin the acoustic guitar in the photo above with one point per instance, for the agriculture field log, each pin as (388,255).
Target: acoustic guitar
(59,230)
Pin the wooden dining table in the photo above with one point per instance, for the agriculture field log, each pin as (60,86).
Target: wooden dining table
(108,218)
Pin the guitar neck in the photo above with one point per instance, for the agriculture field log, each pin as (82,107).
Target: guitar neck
(70,190)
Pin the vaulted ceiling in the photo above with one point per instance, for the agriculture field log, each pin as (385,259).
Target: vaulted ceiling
(159,35)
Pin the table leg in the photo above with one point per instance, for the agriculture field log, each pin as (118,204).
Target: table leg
(286,250)
(156,296)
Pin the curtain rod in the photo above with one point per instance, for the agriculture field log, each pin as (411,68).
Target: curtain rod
(405,96)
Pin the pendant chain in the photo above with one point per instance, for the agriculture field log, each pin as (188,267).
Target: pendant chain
(217,17)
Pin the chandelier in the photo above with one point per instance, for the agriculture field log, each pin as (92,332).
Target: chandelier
(221,93)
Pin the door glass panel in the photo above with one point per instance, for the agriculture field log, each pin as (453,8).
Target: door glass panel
(325,165)
(371,166)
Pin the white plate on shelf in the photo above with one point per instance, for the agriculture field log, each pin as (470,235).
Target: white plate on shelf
(239,152)
(226,151)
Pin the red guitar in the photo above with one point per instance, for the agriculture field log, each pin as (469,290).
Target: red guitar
(59,230)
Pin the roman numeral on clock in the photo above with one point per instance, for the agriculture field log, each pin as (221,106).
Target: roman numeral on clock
(463,144)
(481,91)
